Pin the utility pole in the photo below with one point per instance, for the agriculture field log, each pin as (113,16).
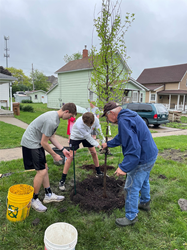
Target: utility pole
(6,49)
(32,76)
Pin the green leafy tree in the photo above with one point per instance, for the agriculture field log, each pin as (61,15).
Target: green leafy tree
(73,57)
(109,71)
(22,83)
(22,78)
(40,80)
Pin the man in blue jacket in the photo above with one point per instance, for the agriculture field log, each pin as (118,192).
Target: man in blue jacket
(140,153)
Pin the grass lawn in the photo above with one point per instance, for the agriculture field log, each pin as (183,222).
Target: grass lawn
(164,227)
(11,135)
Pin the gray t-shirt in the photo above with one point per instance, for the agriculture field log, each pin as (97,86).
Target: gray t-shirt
(46,124)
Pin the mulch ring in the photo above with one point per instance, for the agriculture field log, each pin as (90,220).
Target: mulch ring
(92,166)
(89,194)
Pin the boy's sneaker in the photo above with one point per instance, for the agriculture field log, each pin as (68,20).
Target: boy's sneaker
(53,198)
(38,206)
(101,174)
(62,186)
(144,206)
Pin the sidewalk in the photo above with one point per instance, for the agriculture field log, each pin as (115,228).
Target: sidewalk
(16,153)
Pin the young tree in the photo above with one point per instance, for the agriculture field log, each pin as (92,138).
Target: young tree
(40,80)
(109,71)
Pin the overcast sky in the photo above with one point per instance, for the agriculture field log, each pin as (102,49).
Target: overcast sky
(43,31)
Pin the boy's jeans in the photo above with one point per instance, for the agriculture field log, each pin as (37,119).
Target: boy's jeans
(137,179)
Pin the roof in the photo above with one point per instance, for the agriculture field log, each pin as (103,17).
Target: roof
(6,78)
(85,64)
(153,86)
(34,91)
(79,64)
(167,74)
(177,92)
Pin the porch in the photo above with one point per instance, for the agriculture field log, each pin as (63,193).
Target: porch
(173,99)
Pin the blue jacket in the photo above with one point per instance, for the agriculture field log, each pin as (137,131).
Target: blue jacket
(137,143)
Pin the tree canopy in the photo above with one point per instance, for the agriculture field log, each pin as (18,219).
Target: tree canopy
(22,78)
(40,80)
(109,66)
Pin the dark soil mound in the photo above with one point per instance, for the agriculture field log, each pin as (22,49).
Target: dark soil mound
(92,166)
(89,194)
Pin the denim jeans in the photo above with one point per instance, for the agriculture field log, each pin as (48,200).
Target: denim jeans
(137,180)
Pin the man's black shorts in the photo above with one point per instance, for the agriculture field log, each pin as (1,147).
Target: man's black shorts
(74,144)
(34,158)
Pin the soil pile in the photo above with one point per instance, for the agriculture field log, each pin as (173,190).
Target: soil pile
(92,166)
(89,194)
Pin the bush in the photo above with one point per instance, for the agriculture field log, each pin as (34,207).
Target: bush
(27,108)
(26,101)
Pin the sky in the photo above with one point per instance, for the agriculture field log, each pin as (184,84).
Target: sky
(42,32)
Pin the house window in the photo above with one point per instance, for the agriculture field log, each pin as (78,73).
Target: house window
(153,97)
(35,97)
(141,97)
(135,96)
(91,96)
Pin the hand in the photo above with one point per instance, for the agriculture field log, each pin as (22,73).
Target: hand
(119,172)
(57,158)
(104,145)
(66,153)
(99,146)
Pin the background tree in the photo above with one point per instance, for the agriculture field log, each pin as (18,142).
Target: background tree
(109,74)
(73,57)
(40,80)
(23,83)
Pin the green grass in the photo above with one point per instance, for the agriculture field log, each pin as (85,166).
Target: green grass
(164,227)
(183,119)
(10,135)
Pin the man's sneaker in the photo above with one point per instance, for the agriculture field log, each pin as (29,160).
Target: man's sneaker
(101,174)
(53,198)
(62,185)
(123,222)
(38,206)
(144,206)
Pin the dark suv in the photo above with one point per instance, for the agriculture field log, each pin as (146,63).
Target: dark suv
(151,113)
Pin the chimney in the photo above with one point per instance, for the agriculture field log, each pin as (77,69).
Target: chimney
(85,52)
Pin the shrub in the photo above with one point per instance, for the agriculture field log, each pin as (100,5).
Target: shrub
(26,101)
(27,108)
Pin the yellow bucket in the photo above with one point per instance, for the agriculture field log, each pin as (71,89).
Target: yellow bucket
(19,202)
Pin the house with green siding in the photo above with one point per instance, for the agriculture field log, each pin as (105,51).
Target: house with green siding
(74,85)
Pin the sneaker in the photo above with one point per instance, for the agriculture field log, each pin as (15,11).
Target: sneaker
(53,198)
(144,206)
(62,185)
(38,206)
(101,174)
(123,222)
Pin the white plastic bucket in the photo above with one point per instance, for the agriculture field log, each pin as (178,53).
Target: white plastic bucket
(60,236)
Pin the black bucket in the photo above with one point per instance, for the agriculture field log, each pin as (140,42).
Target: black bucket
(59,152)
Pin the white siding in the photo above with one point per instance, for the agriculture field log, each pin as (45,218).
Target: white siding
(4,94)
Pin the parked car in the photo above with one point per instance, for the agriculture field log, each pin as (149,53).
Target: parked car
(151,113)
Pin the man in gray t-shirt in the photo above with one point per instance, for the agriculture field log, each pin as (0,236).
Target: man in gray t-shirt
(34,143)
